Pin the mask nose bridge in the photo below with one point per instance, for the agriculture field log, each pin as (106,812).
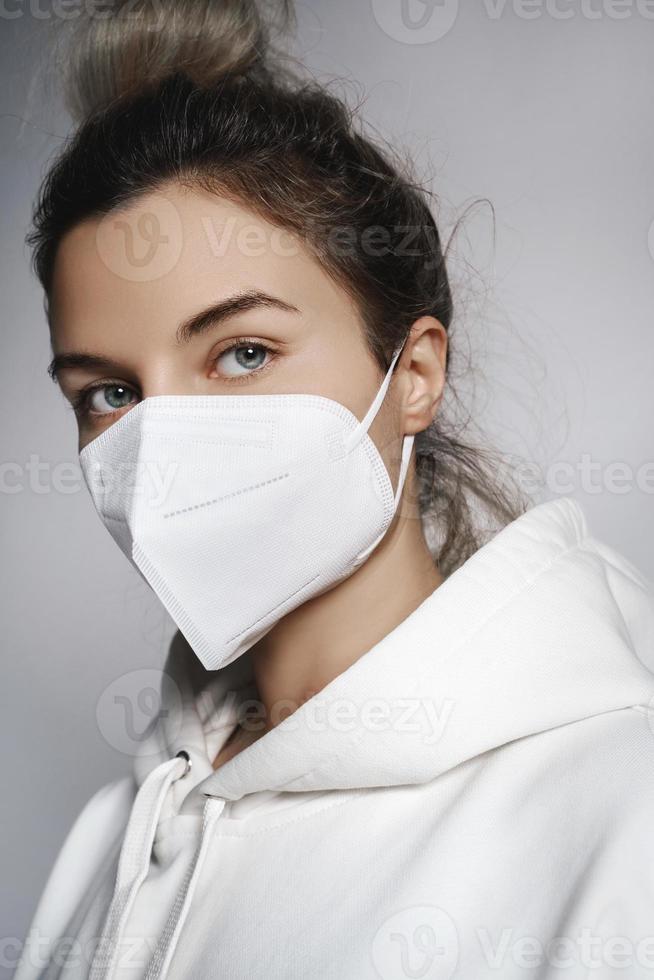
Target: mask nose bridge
(365,423)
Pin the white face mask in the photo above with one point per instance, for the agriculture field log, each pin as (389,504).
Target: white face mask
(236,509)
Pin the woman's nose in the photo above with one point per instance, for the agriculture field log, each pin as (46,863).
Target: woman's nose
(169,380)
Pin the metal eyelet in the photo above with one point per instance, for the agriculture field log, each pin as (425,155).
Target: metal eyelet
(184,755)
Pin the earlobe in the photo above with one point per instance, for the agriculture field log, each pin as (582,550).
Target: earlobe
(420,414)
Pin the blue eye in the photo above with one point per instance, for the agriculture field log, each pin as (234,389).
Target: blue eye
(242,358)
(110,398)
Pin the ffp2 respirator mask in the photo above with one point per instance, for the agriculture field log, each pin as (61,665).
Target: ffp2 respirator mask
(236,509)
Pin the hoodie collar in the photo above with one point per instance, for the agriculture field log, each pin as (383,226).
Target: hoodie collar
(542,626)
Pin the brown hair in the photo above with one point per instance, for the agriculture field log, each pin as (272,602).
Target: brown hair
(196,91)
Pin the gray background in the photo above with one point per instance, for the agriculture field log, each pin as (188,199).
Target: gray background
(546,112)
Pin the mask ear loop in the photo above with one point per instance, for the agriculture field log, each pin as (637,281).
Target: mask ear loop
(366,422)
(407,446)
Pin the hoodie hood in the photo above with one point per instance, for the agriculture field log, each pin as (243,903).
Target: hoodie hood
(543,626)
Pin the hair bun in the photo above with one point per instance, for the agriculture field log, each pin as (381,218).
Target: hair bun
(127,46)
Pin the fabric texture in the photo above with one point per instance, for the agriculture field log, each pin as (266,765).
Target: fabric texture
(472,798)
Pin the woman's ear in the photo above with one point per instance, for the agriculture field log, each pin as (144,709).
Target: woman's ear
(423,364)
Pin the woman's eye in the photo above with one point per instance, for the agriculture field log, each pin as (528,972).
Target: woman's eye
(242,358)
(110,398)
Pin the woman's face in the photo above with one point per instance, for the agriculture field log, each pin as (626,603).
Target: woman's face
(184,292)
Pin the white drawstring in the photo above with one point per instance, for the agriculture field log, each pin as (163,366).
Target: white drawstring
(163,954)
(134,860)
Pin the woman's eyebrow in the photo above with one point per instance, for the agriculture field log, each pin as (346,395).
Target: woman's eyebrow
(225,308)
(193,327)
(81,359)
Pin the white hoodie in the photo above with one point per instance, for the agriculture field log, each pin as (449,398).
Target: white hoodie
(473,797)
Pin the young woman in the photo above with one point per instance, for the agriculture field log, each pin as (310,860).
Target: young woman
(387,747)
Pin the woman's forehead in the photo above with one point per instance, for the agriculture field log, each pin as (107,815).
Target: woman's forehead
(178,246)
